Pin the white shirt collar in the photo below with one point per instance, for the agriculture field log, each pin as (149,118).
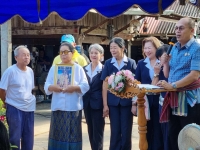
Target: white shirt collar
(124,59)
(122,64)
(97,70)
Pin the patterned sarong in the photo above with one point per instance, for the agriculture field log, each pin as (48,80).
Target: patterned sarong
(65,130)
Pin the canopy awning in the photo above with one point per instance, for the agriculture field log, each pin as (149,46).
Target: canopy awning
(34,10)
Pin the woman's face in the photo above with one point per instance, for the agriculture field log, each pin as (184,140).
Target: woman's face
(149,50)
(95,55)
(115,50)
(65,54)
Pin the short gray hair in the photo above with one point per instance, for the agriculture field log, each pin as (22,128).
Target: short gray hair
(97,47)
(190,22)
(16,51)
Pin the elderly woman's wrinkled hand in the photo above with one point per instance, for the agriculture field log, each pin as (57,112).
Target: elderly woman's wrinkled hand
(55,88)
(68,89)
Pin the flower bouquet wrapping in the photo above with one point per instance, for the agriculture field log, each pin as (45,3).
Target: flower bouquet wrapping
(123,84)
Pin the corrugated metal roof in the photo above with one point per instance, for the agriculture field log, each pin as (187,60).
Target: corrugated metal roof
(158,27)
(188,10)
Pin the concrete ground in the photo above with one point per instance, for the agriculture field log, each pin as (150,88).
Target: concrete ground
(42,124)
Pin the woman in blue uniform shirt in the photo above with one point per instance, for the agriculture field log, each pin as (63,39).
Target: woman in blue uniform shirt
(118,110)
(145,74)
(92,100)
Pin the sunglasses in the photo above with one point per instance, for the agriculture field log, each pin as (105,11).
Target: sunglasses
(64,52)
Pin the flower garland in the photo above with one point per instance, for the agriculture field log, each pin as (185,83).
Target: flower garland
(118,82)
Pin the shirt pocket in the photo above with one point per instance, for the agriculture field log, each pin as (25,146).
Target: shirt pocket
(186,62)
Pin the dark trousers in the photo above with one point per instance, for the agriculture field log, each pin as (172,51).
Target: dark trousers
(21,127)
(177,123)
(154,132)
(121,121)
(165,132)
(95,124)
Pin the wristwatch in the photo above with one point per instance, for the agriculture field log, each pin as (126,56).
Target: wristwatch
(174,85)
(155,75)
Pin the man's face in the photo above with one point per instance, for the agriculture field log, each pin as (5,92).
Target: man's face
(23,57)
(183,31)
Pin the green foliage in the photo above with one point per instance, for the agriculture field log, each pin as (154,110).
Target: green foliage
(3,119)
(3,114)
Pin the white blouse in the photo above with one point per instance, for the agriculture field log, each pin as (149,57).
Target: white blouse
(148,65)
(68,101)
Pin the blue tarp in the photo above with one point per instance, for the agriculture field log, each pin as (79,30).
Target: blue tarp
(32,10)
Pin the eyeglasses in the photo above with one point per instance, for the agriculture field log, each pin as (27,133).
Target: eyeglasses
(181,28)
(64,52)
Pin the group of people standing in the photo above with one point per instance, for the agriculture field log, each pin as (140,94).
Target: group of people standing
(179,70)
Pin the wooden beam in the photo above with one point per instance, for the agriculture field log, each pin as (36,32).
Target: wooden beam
(96,39)
(175,17)
(36,36)
(100,32)
(45,31)
(182,2)
(92,28)
(126,26)
(44,27)
(160,7)
(36,41)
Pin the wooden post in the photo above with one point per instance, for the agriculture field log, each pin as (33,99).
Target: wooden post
(129,49)
(6,46)
(142,122)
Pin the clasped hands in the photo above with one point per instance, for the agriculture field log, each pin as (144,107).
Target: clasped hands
(68,89)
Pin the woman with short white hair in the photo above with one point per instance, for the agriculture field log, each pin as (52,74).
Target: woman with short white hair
(92,100)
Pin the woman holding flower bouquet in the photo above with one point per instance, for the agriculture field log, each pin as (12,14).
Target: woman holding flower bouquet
(92,99)
(118,110)
(65,128)
(145,74)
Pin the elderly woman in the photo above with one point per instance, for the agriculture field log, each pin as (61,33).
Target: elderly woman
(145,74)
(92,100)
(65,129)
(119,110)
